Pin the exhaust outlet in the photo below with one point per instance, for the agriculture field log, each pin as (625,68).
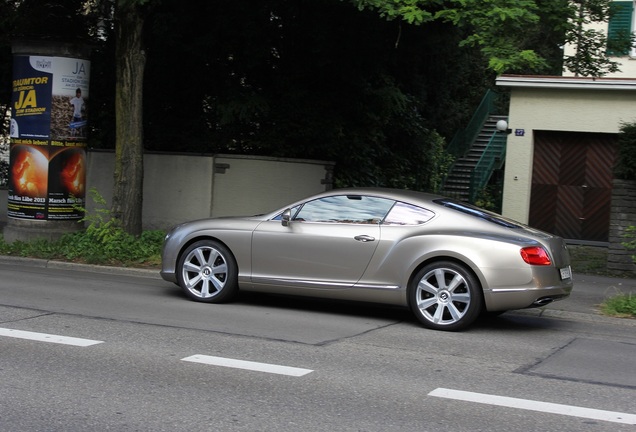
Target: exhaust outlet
(543,301)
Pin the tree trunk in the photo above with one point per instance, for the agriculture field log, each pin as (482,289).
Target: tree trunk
(130,64)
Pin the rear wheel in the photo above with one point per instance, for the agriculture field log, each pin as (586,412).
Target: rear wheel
(445,296)
(207,272)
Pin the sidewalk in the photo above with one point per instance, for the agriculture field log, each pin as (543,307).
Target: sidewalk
(588,293)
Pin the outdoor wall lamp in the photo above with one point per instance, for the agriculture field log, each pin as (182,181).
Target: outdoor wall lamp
(502,126)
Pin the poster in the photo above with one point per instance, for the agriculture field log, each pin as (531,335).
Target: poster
(49,119)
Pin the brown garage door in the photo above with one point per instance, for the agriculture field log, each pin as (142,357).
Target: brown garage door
(572,184)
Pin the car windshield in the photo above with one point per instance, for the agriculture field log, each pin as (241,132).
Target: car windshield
(477,212)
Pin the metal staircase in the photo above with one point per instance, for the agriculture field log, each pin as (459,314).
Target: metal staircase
(479,150)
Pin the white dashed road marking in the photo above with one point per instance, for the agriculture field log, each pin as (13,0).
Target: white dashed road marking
(43,337)
(545,407)
(248,365)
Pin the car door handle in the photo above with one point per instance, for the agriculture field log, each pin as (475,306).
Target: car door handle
(364,238)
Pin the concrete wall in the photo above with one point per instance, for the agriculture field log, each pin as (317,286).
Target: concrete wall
(574,110)
(619,259)
(178,188)
(247,185)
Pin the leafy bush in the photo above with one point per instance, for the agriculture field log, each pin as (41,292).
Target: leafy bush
(626,165)
(489,198)
(102,242)
(630,244)
(622,305)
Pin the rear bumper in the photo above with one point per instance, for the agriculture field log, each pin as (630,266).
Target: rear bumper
(522,298)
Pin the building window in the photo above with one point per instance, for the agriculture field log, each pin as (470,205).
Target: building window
(620,28)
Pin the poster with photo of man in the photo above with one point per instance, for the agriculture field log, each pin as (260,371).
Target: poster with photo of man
(49,119)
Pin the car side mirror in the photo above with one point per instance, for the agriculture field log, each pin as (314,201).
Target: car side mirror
(286,217)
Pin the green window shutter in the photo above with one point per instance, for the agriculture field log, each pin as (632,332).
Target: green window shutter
(620,27)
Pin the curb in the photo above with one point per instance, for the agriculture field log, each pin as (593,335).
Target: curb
(590,317)
(62,265)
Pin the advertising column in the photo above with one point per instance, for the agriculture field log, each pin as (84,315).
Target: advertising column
(49,118)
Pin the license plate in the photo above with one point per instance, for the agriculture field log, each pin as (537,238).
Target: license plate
(566,272)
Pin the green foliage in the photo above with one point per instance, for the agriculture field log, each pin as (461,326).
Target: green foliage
(411,11)
(102,242)
(623,305)
(513,60)
(499,28)
(620,305)
(630,243)
(59,20)
(314,80)
(626,165)
(591,56)
(357,85)
(489,198)
(417,162)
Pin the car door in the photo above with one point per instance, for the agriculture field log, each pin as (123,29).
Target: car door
(327,245)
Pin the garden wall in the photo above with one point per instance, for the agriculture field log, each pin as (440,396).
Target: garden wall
(623,214)
(182,187)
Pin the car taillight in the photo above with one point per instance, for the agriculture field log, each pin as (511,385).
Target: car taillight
(535,255)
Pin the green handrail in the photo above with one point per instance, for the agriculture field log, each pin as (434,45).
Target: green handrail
(464,138)
(491,159)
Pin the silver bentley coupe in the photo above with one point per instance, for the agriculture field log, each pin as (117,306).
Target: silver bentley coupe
(448,261)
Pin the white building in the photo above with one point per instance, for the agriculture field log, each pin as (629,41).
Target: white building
(561,153)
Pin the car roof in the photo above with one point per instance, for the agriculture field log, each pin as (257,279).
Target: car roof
(396,194)
(409,196)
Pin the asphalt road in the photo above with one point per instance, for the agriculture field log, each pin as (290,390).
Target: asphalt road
(86,348)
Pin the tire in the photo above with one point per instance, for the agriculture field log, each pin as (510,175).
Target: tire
(445,296)
(207,272)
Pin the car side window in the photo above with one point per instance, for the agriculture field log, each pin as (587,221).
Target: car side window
(407,214)
(355,209)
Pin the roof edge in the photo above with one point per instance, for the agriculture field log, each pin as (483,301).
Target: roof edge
(566,82)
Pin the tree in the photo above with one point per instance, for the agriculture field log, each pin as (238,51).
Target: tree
(130,64)
(308,79)
(34,20)
(302,78)
(496,27)
(8,15)
(121,21)
(546,37)
(625,168)
(592,45)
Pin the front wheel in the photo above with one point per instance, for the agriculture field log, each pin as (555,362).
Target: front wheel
(207,272)
(445,296)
